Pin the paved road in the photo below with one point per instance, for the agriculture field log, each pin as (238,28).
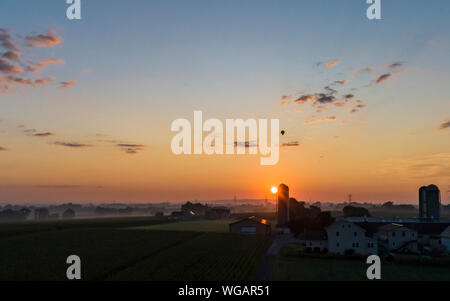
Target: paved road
(267,264)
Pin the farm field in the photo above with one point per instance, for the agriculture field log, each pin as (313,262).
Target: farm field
(20,228)
(220,226)
(209,256)
(296,268)
(115,250)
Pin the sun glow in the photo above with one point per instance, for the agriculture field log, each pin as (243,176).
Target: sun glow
(274,190)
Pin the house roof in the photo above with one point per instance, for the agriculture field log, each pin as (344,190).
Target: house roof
(390,227)
(428,228)
(253,219)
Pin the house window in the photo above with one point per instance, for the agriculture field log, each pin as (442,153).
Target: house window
(403,233)
(357,244)
(337,233)
(310,243)
(393,234)
(355,234)
(337,245)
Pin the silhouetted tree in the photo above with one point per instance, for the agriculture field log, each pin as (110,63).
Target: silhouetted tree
(353,211)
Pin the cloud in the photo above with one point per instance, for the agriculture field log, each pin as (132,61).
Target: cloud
(305,98)
(7,68)
(43,40)
(332,64)
(330,91)
(341,82)
(291,144)
(71,144)
(46,134)
(285,97)
(331,118)
(65,85)
(339,104)
(7,43)
(131,148)
(322,98)
(2,148)
(12,64)
(395,65)
(444,125)
(385,77)
(26,82)
(368,69)
(348,96)
(35,68)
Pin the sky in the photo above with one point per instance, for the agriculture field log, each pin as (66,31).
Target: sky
(86,105)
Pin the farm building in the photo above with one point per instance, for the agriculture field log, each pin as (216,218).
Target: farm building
(397,237)
(316,240)
(445,238)
(252,226)
(344,236)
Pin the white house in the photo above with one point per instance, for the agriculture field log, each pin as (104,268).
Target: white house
(445,238)
(316,240)
(397,237)
(344,236)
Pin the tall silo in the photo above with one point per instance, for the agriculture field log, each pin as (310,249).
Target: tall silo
(283,205)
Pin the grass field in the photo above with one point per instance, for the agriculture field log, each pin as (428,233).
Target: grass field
(121,250)
(290,268)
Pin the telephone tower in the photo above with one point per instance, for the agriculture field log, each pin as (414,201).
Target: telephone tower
(350,198)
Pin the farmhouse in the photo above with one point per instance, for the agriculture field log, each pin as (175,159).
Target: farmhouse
(445,238)
(344,237)
(396,237)
(316,240)
(252,226)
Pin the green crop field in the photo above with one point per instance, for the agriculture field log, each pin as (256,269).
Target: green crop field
(118,249)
